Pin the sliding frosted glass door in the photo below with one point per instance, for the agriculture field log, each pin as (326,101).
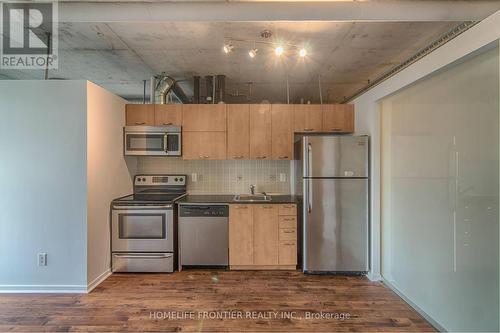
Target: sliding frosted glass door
(440,194)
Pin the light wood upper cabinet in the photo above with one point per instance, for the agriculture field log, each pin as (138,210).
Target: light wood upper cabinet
(168,114)
(238,131)
(260,131)
(282,131)
(308,117)
(140,114)
(240,235)
(204,145)
(204,117)
(338,118)
(265,228)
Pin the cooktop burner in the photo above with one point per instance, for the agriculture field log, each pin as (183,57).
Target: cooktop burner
(140,198)
(155,189)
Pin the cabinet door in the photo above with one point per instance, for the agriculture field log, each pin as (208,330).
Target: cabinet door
(240,235)
(265,234)
(338,118)
(204,145)
(282,131)
(260,131)
(288,252)
(168,114)
(308,118)
(140,114)
(204,117)
(238,131)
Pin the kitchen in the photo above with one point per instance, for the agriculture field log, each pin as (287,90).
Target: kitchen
(228,230)
(259,169)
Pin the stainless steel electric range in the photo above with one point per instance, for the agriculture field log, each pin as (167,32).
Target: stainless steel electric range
(143,226)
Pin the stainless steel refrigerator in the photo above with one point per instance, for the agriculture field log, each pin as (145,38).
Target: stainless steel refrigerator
(332,175)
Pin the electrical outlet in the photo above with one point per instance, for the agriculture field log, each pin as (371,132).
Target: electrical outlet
(42,259)
(282,177)
(194,177)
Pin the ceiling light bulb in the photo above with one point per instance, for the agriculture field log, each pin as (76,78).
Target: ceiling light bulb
(302,53)
(252,53)
(227,48)
(279,50)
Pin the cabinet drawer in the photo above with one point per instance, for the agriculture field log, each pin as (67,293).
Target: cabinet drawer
(142,262)
(288,234)
(288,222)
(288,209)
(288,253)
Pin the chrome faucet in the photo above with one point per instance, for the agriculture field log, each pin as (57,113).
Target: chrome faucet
(252,189)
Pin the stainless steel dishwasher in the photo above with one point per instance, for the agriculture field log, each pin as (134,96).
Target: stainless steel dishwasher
(203,235)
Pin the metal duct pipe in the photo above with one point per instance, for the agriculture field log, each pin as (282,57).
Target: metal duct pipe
(163,85)
(196,89)
(221,89)
(152,90)
(209,84)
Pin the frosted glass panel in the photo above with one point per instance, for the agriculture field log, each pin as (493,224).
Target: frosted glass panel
(440,197)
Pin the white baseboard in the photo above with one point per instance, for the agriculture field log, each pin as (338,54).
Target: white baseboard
(98,280)
(424,314)
(35,288)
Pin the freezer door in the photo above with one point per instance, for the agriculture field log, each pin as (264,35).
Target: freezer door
(335,156)
(336,225)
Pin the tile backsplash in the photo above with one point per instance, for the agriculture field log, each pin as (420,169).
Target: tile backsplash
(223,176)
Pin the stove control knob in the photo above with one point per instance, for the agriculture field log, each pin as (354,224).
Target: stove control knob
(143,179)
(176,179)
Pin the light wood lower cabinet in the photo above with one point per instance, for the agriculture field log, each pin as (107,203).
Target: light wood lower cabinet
(241,234)
(261,238)
(265,231)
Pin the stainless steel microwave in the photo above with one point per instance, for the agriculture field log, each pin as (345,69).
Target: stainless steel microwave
(152,140)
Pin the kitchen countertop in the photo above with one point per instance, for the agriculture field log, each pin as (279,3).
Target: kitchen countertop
(228,198)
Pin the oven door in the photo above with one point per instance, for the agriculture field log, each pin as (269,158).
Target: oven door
(173,144)
(142,230)
(145,143)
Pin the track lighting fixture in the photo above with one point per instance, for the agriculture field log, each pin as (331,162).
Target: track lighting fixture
(302,53)
(227,48)
(253,52)
(279,50)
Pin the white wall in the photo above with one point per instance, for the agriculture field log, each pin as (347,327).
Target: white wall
(107,174)
(368,113)
(61,165)
(43,184)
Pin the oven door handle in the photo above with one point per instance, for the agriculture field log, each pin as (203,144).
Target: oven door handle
(144,256)
(120,207)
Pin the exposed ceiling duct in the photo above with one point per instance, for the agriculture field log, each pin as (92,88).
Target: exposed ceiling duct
(164,87)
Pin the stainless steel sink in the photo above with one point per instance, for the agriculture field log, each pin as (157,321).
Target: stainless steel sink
(252,197)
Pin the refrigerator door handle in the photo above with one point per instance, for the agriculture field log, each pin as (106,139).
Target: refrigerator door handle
(309,158)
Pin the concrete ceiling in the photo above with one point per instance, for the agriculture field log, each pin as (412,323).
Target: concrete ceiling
(120,55)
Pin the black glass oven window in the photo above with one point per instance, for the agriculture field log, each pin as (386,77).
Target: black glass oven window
(149,142)
(141,226)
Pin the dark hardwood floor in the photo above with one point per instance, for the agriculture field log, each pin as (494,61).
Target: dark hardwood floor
(259,301)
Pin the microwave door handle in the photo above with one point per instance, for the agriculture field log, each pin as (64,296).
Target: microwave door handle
(165,145)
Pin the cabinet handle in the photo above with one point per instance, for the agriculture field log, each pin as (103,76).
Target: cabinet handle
(206,156)
(267,207)
(283,157)
(261,157)
(241,207)
(167,124)
(140,123)
(288,219)
(238,157)
(289,244)
(288,206)
(308,129)
(336,129)
(289,231)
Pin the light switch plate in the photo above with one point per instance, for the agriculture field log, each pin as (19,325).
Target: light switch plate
(282,177)
(194,177)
